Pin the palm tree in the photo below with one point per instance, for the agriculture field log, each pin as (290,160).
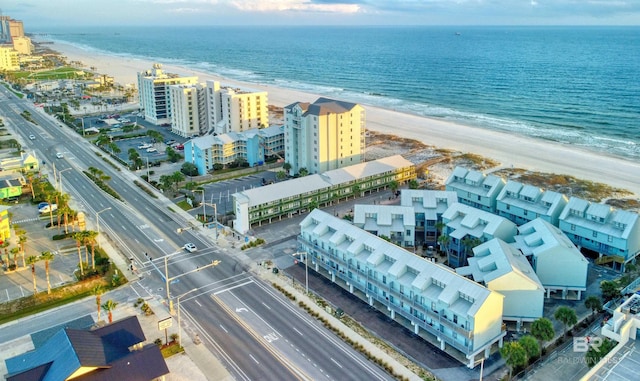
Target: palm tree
(47,257)
(90,238)
(32,261)
(444,241)
(542,329)
(22,240)
(439,228)
(50,197)
(109,306)
(303,172)
(97,290)
(394,187)
(79,237)
(14,252)
(566,316)
(593,303)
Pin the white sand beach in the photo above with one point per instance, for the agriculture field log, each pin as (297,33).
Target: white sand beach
(510,150)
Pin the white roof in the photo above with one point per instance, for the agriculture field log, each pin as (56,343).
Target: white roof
(376,252)
(475,182)
(538,237)
(495,259)
(616,223)
(540,201)
(429,202)
(369,168)
(467,220)
(311,183)
(384,215)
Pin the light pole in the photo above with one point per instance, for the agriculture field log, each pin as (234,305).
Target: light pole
(204,207)
(306,267)
(168,280)
(98,222)
(179,321)
(60,178)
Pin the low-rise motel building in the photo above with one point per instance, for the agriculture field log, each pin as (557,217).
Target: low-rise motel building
(475,188)
(395,222)
(428,207)
(442,307)
(288,198)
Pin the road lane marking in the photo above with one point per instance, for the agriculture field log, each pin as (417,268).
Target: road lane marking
(197,302)
(223,328)
(253,358)
(299,333)
(335,362)
(231,288)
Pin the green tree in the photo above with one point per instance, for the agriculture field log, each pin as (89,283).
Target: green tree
(394,187)
(444,241)
(567,316)
(303,172)
(413,184)
(542,329)
(531,346)
(47,257)
(593,303)
(165,182)
(189,169)
(32,260)
(176,178)
(610,290)
(514,355)
(594,355)
(109,306)
(281,175)
(286,167)
(97,291)
(90,238)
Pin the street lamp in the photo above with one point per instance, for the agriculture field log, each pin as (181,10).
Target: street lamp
(306,267)
(98,222)
(204,207)
(60,178)
(179,321)
(215,216)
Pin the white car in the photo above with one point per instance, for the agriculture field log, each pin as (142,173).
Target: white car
(32,137)
(152,149)
(46,208)
(190,247)
(59,155)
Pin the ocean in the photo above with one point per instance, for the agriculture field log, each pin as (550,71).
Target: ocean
(575,85)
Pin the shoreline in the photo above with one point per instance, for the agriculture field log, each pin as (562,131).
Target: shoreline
(508,149)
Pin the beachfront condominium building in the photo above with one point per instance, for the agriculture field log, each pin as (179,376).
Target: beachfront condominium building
(9,29)
(466,227)
(249,146)
(323,135)
(502,268)
(475,188)
(9,58)
(232,109)
(22,45)
(521,203)
(556,260)
(438,303)
(188,109)
(428,207)
(613,234)
(153,93)
(393,222)
(291,197)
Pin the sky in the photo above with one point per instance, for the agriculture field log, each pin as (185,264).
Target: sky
(38,15)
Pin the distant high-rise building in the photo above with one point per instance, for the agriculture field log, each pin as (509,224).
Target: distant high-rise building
(153,92)
(188,109)
(323,135)
(22,45)
(235,110)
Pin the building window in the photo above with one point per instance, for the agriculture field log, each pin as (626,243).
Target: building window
(595,234)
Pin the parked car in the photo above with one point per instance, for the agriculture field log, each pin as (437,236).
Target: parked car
(46,208)
(190,247)
(152,149)
(32,137)
(59,155)
(169,142)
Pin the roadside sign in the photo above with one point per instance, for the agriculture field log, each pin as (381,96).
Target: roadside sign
(165,323)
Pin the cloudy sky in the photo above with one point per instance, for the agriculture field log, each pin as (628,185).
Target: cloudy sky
(38,14)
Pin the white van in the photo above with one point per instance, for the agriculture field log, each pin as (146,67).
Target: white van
(46,208)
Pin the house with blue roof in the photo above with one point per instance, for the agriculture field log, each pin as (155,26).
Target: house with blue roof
(113,352)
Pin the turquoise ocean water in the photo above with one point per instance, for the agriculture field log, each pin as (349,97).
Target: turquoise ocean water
(576,85)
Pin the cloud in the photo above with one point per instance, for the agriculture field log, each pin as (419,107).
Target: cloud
(327,6)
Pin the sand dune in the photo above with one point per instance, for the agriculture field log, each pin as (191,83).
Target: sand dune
(510,150)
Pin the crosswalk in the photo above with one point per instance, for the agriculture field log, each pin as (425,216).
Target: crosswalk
(26,220)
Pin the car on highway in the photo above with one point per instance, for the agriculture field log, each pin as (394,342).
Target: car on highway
(59,155)
(32,137)
(190,247)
